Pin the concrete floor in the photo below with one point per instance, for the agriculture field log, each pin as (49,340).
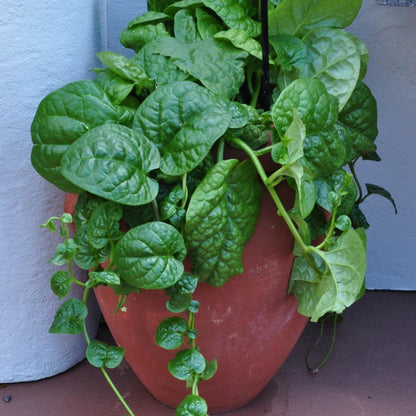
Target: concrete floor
(372,372)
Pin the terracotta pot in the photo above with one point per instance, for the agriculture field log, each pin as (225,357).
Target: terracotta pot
(249,325)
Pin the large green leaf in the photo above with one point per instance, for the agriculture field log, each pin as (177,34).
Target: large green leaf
(334,59)
(298,17)
(336,280)
(217,64)
(221,217)
(241,40)
(150,256)
(316,108)
(359,117)
(113,162)
(184,121)
(234,15)
(61,118)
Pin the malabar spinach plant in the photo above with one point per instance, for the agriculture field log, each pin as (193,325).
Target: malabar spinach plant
(143,146)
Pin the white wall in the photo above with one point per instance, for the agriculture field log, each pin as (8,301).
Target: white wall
(45,44)
(390,35)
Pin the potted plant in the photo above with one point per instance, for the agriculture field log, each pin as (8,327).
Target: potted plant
(171,152)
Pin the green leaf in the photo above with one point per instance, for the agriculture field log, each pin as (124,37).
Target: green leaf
(359,117)
(87,256)
(126,68)
(342,184)
(339,281)
(378,190)
(64,252)
(113,162)
(343,223)
(150,256)
(186,364)
(241,40)
(234,15)
(115,86)
(179,302)
(363,52)
(324,152)
(291,51)
(332,58)
(184,121)
(208,25)
(314,105)
(159,67)
(100,354)
(61,118)
(103,225)
(60,284)
(221,217)
(185,27)
(192,405)
(218,65)
(298,17)
(69,318)
(104,277)
(210,370)
(170,333)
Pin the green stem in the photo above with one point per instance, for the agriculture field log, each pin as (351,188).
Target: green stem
(256,92)
(115,390)
(195,386)
(220,150)
(265,179)
(156,209)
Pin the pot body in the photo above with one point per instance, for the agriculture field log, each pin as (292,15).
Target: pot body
(249,325)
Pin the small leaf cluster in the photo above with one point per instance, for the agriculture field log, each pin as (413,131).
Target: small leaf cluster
(189,364)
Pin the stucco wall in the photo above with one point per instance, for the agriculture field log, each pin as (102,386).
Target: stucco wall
(390,35)
(45,44)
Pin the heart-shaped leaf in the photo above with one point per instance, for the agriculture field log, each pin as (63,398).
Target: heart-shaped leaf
(150,256)
(100,354)
(170,333)
(113,162)
(61,118)
(69,318)
(184,120)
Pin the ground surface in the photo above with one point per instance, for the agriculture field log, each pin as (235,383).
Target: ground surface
(372,372)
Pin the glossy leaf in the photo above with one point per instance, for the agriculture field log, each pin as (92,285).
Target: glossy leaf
(115,86)
(378,190)
(314,105)
(298,17)
(103,225)
(159,67)
(150,256)
(192,405)
(179,302)
(113,162)
(340,182)
(339,282)
(126,68)
(184,121)
(324,152)
(234,15)
(210,370)
(221,217)
(88,257)
(334,59)
(186,364)
(60,283)
(100,354)
(170,333)
(359,118)
(215,63)
(291,51)
(104,277)
(208,24)
(185,28)
(241,40)
(62,117)
(69,318)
